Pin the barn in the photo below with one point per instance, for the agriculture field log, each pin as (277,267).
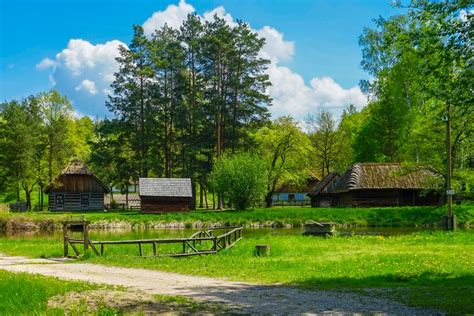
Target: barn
(76,188)
(162,195)
(385,184)
(319,194)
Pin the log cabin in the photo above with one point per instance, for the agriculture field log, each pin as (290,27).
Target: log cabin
(385,184)
(163,195)
(76,188)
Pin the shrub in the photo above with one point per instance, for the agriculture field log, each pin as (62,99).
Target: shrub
(241,179)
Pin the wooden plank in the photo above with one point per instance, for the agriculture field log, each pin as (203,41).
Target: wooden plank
(75,249)
(187,242)
(94,249)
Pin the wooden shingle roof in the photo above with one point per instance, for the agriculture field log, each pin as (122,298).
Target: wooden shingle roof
(384,176)
(165,187)
(324,184)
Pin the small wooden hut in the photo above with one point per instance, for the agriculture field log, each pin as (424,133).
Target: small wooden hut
(319,195)
(162,195)
(385,184)
(76,189)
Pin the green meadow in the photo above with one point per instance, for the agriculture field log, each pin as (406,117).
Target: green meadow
(429,269)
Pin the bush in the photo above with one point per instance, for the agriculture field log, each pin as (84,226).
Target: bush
(241,179)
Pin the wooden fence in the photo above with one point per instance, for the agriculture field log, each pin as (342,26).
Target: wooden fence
(200,243)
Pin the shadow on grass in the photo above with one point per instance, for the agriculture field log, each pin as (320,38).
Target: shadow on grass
(440,291)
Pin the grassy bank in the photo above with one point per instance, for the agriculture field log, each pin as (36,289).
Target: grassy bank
(422,269)
(22,293)
(275,217)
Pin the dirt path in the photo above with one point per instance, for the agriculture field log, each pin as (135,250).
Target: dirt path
(241,297)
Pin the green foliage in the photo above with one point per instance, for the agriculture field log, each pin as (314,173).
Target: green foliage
(286,150)
(421,61)
(241,178)
(179,106)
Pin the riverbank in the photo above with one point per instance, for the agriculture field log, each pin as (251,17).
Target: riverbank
(263,217)
(429,269)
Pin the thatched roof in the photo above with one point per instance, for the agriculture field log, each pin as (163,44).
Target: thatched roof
(74,167)
(165,187)
(324,184)
(384,176)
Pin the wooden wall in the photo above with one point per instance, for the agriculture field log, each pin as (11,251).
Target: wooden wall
(367,198)
(78,183)
(154,204)
(73,201)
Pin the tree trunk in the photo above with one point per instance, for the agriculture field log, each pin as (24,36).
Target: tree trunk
(41,205)
(268,199)
(205,196)
(126,198)
(17,192)
(193,190)
(213,201)
(28,199)
(201,197)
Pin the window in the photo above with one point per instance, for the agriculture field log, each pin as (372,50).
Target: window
(59,201)
(85,200)
(291,197)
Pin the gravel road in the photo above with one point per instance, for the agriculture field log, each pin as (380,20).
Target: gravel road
(240,297)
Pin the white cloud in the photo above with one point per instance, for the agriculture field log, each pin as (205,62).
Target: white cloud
(83,66)
(87,85)
(291,96)
(45,64)
(221,13)
(173,15)
(275,46)
(81,55)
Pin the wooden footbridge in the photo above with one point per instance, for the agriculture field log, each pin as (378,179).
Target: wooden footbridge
(200,243)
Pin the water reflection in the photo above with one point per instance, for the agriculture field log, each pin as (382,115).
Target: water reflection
(176,233)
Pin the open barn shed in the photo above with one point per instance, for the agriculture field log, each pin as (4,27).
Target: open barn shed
(76,188)
(162,195)
(320,192)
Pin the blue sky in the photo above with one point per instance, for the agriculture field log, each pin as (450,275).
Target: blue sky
(313,46)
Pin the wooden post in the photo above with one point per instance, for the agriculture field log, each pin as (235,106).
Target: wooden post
(66,240)
(85,227)
(262,250)
(154,248)
(215,244)
(184,247)
(140,248)
(101,249)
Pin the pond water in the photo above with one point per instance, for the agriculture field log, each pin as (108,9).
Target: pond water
(249,232)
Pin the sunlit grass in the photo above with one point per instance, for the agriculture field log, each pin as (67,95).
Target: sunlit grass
(426,269)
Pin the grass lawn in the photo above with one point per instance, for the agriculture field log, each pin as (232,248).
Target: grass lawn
(22,293)
(29,294)
(421,269)
(275,216)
